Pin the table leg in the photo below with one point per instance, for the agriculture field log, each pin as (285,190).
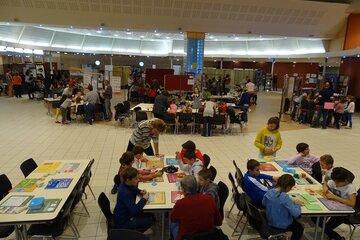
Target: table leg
(323,228)
(162,225)
(316,227)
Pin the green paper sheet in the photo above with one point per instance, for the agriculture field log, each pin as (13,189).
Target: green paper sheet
(309,198)
(313,207)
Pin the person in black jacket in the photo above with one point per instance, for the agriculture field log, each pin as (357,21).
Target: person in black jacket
(161,104)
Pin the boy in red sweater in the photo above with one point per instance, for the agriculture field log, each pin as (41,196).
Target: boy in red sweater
(195,213)
(189,146)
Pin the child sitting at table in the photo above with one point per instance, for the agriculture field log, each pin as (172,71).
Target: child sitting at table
(251,182)
(187,108)
(222,107)
(192,165)
(281,210)
(303,158)
(339,189)
(127,213)
(206,186)
(327,164)
(126,161)
(139,157)
(189,146)
(173,107)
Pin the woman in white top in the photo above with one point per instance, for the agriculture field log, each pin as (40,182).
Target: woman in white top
(208,114)
(349,110)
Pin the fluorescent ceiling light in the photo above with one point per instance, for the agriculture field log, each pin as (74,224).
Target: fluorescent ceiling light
(38,52)
(27,50)
(128,33)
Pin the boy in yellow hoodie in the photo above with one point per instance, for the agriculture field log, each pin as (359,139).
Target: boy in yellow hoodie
(268,139)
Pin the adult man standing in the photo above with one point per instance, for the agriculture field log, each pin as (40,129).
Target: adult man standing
(160,105)
(108,97)
(91,98)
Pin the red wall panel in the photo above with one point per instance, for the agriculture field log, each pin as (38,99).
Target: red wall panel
(351,67)
(157,74)
(177,83)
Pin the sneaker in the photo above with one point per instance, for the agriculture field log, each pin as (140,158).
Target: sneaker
(114,189)
(348,127)
(148,232)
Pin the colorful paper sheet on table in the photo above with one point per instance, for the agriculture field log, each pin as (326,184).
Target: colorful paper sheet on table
(26,185)
(171,161)
(156,198)
(174,177)
(267,167)
(59,183)
(47,167)
(50,205)
(157,179)
(69,167)
(282,163)
(16,201)
(303,181)
(335,206)
(176,195)
(155,164)
(313,207)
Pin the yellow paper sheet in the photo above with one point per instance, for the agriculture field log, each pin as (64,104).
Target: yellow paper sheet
(48,167)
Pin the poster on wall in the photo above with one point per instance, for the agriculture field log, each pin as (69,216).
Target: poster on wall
(40,70)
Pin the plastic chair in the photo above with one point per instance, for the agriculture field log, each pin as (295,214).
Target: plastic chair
(220,119)
(198,120)
(119,234)
(104,205)
(170,120)
(28,166)
(207,160)
(5,187)
(223,192)
(213,173)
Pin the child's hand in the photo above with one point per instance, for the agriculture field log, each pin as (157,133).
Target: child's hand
(143,192)
(144,159)
(159,174)
(146,196)
(298,202)
(177,154)
(330,195)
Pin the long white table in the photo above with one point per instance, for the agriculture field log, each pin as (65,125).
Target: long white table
(316,188)
(18,219)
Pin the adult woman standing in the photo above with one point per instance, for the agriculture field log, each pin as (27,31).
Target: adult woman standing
(196,99)
(268,139)
(145,132)
(208,114)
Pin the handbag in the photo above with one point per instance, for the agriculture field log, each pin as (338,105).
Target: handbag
(329,105)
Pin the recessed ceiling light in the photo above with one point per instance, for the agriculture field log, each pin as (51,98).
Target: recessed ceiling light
(157,34)
(65,53)
(236,38)
(101,28)
(253,61)
(128,33)
(358,55)
(88,34)
(83,54)
(71,27)
(167,37)
(142,36)
(116,35)
(98,31)
(40,25)
(215,39)
(58,52)
(211,37)
(129,37)
(155,30)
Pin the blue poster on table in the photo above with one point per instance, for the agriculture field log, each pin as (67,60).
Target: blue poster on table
(283,163)
(59,183)
(171,161)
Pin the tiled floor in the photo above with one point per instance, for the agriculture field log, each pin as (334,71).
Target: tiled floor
(26,131)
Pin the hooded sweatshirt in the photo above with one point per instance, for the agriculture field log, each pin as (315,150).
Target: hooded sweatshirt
(280,209)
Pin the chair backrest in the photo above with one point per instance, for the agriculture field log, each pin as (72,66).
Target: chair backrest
(185,117)
(232,181)
(119,234)
(169,118)
(5,186)
(258,218)
(223,192)
(137,109)
(87,173)
(127,106)
(239,175)
(78,191)
(28,166)
(198,117)
(141,116)
(207,160)
(213,173)
(80,110)
(104,205)
(316,171)
(219,119)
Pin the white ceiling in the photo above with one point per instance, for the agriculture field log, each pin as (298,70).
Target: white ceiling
(291,18)
(151,43)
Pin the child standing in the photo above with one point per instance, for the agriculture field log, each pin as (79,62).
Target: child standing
(192,165)
(207,186)
(303,159)
(339,189)
(139,157)
(268,139)
(326,164)
(64,109)
(350,109)
(281,211)
(339,110)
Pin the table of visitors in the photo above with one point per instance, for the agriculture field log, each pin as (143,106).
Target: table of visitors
(308,191)
(52,180)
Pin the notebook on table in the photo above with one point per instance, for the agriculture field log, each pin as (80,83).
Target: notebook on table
(335,206)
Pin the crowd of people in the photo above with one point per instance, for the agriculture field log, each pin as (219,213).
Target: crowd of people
(324,108)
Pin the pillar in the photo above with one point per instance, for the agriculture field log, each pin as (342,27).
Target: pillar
(194,47)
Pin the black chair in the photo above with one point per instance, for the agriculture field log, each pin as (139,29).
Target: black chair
(316,172)
(257,216)
(170,120)
(213,173)
(207,160)
(104,205)
(239,175)
(119,234)
(234,119)
(88,175)
(354,219)
(78,192)
(58,225)
(215,234)
(28,166)
(80,112)
(239,201)
(5,187)
(141,116)
(219,119)
(185,119)
(223,192)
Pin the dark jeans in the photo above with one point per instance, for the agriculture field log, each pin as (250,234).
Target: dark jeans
(323,113)
(333,223)
(293,113)
(337,117)
(89,112)
(140,222)
(17,90)
(148,151)
(30,89)
(207,129)
(158,115)
(244,114)
(64,112)
(107,106)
